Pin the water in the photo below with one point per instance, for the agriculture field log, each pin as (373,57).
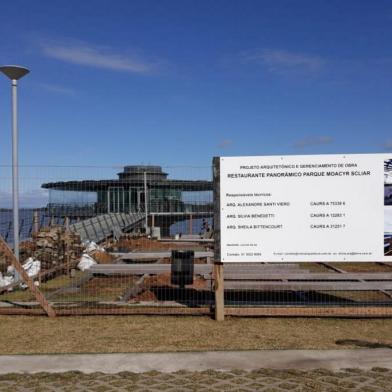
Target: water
(26,224)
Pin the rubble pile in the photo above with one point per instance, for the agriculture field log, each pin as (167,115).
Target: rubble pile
(56,246)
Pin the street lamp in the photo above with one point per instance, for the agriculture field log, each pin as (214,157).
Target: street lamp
(15,72)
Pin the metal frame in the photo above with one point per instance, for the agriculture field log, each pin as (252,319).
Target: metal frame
(118,210)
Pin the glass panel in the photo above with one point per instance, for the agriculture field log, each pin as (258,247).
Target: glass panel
(116,199)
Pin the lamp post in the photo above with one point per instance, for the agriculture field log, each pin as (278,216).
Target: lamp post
(15,72)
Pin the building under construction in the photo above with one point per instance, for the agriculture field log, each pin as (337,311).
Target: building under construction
(138,189)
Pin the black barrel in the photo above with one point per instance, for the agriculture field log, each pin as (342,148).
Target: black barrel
(182,267)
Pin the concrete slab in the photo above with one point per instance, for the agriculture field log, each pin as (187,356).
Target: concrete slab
(198,361)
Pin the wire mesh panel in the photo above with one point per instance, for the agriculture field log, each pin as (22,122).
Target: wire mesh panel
(84,230)
(311,289)
(101,239)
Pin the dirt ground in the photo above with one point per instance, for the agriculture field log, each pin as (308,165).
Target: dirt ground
(108,334)
(375,380)
(103,257)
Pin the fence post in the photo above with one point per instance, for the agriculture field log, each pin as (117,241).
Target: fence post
(35,221)
(218,265)
(190,224)
(219,292)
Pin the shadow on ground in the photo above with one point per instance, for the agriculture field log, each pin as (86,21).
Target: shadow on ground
(362,343)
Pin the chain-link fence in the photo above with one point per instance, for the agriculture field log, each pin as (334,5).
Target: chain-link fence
(140,239)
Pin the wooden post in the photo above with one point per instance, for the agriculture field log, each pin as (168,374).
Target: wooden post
(219,292)
(66,222)
(5,249)
(35,222)
(190,224)
(217,209)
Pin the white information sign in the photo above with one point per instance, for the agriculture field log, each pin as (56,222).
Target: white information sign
(306,208)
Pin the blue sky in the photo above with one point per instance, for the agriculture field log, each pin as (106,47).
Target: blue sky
(177,82)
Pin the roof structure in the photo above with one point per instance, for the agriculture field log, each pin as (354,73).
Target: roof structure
(133,176)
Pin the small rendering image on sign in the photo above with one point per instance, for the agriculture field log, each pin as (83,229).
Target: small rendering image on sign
(388,231)
(388,182)
(309,208)
(388,207)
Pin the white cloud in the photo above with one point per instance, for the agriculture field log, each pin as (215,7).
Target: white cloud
(313,141)
(281,61)
(82,53)
(57,89)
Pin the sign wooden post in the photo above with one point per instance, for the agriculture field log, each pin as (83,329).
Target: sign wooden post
(5,249)
(219,292)
(218,265)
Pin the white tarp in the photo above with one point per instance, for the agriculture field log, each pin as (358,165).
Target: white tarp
(86,261)
(5,280)
(31,266)
(91,246)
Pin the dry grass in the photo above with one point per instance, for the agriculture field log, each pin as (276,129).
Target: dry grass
(38,335)
(47,288)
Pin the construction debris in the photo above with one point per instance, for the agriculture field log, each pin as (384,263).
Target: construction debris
(56,246)
(9,281)
(91,246)
(5,280)
(86,262)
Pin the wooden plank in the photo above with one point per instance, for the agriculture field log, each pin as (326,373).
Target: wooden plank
(136,256)
(142,268)
(201,267)
(305,286)
(332,267)
(260,267)
(14,311)
(52,272)
(131,310)
(309,276)
(207,274)
(188,240)
(4,248)
(219,292)
(311,311)
(128,310)
(342,271)
(273,311)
